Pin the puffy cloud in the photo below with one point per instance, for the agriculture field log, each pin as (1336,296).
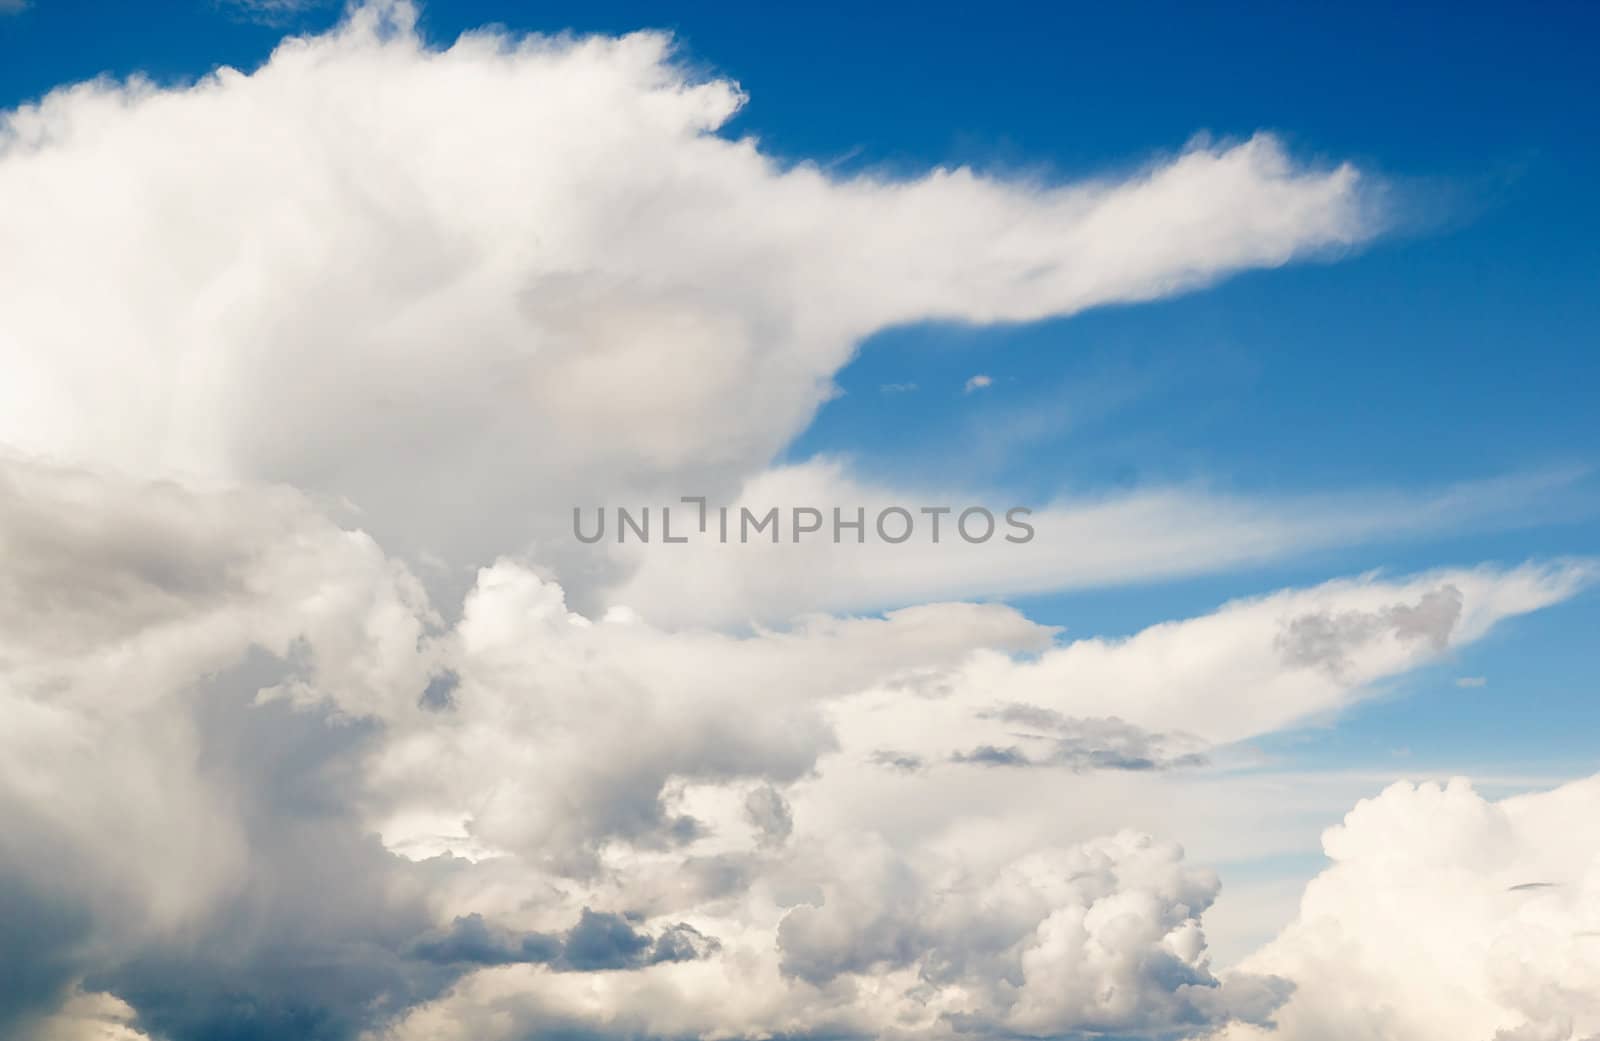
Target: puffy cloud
(1445,914)
(224,774)
(1099,937)
(372,260)
(1072,942)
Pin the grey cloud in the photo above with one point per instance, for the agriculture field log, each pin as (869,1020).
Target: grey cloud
(128,609)
(989,755)
(767,809)
(892,760)
(604,941)
(472,940)
(43,937)
(91,558)
(1083,744)
(314,946)
(1326,640)
(439,694)
(600,941)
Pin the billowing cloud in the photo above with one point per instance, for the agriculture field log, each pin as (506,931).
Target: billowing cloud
(225,775)
(1072,942)
(372,260)
(1445,914)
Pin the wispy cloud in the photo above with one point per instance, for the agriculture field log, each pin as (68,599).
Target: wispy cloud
(268,12)
(978,382)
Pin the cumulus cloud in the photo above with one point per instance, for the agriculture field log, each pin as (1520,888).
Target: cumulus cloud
(1100,936)
(372,259)
(1426,925)
(222,768)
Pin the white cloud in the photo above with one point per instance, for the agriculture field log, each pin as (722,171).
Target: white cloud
(1077,542)
(371,261)
(1447,915)
(716,787)
(978,382)
(1471,681)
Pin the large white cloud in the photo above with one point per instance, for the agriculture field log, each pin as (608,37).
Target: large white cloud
(464,289)
(1447,915)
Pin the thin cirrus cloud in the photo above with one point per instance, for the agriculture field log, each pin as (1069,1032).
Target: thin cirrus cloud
(767,576)
(270,12)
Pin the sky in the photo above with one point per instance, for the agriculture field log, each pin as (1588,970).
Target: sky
(319,323)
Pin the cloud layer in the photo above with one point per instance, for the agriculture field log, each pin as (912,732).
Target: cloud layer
(247,761)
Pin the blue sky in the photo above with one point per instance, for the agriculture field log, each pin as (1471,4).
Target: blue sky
(1463,345)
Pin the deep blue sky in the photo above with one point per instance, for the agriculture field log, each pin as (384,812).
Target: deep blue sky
(1465,345)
